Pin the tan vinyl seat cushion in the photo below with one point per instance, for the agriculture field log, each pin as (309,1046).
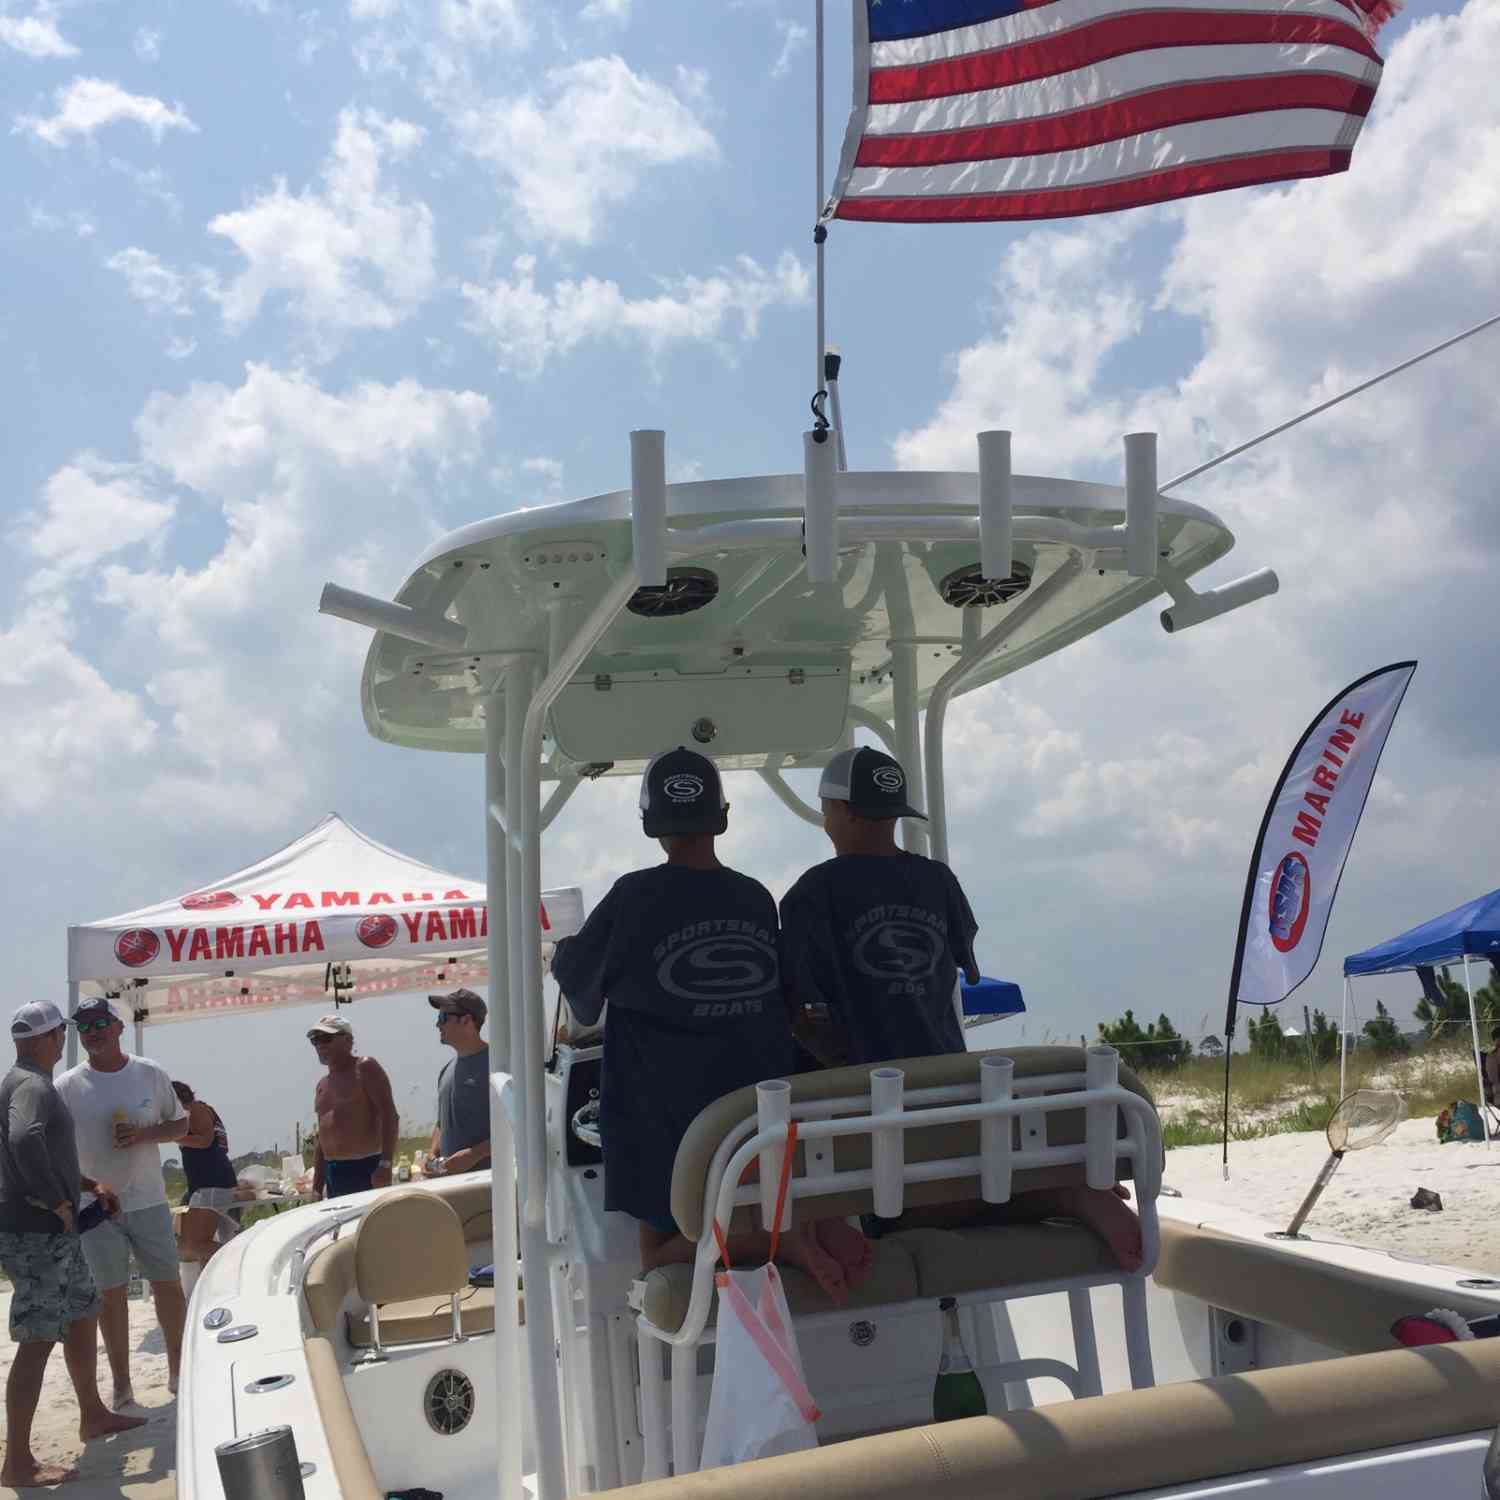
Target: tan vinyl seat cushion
(424,1319)
(410,1244)
(1142,1440)
(704,1135)
(1338,1306)
(892,1278)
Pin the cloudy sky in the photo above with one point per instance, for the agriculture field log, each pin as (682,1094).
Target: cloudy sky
(291,290)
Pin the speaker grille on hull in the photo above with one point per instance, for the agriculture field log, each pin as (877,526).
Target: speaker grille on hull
(685,590)
(448,1403)
(963,588)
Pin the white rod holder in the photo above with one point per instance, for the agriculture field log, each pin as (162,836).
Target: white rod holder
(820,506)
(1141,549)
(1101,1070)
(648,505)
(996,1083)
(402,620)
(888,1143)
(996,505)
(1190,608)
(773,1107)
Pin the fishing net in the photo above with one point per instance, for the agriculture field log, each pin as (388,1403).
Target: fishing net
(1364,1118)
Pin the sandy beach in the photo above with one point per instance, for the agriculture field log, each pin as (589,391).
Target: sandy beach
(137,1465)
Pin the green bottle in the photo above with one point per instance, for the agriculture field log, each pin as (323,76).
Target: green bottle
(957,1392)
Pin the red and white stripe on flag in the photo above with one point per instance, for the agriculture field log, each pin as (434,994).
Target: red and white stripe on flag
(1039,109)
(1305,837)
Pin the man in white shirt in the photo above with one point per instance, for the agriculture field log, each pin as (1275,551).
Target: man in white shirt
(123,1109)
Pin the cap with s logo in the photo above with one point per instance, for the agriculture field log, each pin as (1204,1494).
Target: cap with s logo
(681,793)
(871,782)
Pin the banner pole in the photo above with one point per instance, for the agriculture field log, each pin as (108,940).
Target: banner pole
(1228,1059)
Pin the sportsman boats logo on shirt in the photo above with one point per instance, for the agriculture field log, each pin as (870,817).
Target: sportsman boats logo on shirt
(901,946)
(726,967)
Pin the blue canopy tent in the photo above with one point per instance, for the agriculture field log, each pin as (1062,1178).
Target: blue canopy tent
(1465,933)
(989,1000)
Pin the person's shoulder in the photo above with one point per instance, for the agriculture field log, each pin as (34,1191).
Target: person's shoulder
(748,885)
(71,1079)
(157,1073)
(935,869)
(811,880)
(364,1063)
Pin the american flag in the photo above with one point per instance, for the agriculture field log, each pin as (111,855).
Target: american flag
(1039,109)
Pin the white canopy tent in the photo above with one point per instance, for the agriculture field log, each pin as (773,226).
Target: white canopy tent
(332,917)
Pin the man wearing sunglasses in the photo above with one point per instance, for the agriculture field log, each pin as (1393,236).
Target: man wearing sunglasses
(53,1299)
(357,1123)
(461,1137)
(124,1110)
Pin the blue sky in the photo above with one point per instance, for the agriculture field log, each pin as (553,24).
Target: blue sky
(292,290)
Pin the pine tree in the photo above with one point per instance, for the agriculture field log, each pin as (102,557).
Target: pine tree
(1266,1040)
(1211,1046)
(1451,1018)
(1382,1035)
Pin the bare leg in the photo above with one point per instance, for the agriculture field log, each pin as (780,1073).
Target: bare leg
(81,1351)
(23,1389)
(1106,1213)
(847,1245)
(114,1324)
(200,1228)
(171,1313)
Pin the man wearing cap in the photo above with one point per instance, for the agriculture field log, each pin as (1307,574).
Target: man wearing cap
(124,1110)
(685,953)
(357,1122)
(872,943)
(461,1137)
(53,1300)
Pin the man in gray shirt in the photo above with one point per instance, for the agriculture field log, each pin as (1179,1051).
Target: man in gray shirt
(461,1137)
(54,1298)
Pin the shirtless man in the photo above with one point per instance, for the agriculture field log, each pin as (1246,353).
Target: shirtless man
(356,1115)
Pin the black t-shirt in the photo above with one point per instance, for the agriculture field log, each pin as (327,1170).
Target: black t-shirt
(687,960)
(880,940)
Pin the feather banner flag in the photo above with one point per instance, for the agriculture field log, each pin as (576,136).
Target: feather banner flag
(1304,840)
(1037,109)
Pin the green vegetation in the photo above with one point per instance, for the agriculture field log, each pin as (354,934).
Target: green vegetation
(1451,1018)
(1157,1046)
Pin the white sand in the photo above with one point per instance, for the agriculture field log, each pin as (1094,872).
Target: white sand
(136,1465)
(1369,1200)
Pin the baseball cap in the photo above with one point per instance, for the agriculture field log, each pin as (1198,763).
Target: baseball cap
(681,793)
(465,1000)
(94,1008)
(870,781)
(36,1018)
(331,1026)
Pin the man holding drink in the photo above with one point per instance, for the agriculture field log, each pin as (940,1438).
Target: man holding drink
(123,1109)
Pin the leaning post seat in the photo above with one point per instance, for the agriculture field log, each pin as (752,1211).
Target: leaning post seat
(913,1133)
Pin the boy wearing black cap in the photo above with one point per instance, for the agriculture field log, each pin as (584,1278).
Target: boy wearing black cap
(461,1137)
(873,939)
(685,953)
(872,942)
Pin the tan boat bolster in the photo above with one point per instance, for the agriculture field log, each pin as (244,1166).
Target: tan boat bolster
(1142,1440)
(351,1464)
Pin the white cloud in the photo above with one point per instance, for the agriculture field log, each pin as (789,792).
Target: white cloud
(527,325)
(91,509)
(89,104)
(158,287)
(581,142)
(180,348)
(616,11)
(151,183)
(76,220)
(446,36)
(67,728)
(794,37)
(35,36)
(548,470)
(353,254)
(147,44)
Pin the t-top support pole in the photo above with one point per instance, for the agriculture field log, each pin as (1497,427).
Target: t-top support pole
(496,944)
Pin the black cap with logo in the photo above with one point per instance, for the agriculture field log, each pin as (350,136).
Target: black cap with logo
(870,781)
(681,793)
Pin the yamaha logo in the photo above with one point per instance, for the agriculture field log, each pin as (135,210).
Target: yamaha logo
(898,950)
(683,787)
(730,967)
(137,947)
(210,901)
(888,779)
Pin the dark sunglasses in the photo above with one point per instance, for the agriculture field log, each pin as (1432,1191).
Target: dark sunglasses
(451,1015)
(102,1024)
(321,1040)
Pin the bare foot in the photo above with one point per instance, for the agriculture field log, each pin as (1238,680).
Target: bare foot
(123,1396)
(800,1248)
(847,1245)
(107,1423)
(1111,1218)
(30,1475)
